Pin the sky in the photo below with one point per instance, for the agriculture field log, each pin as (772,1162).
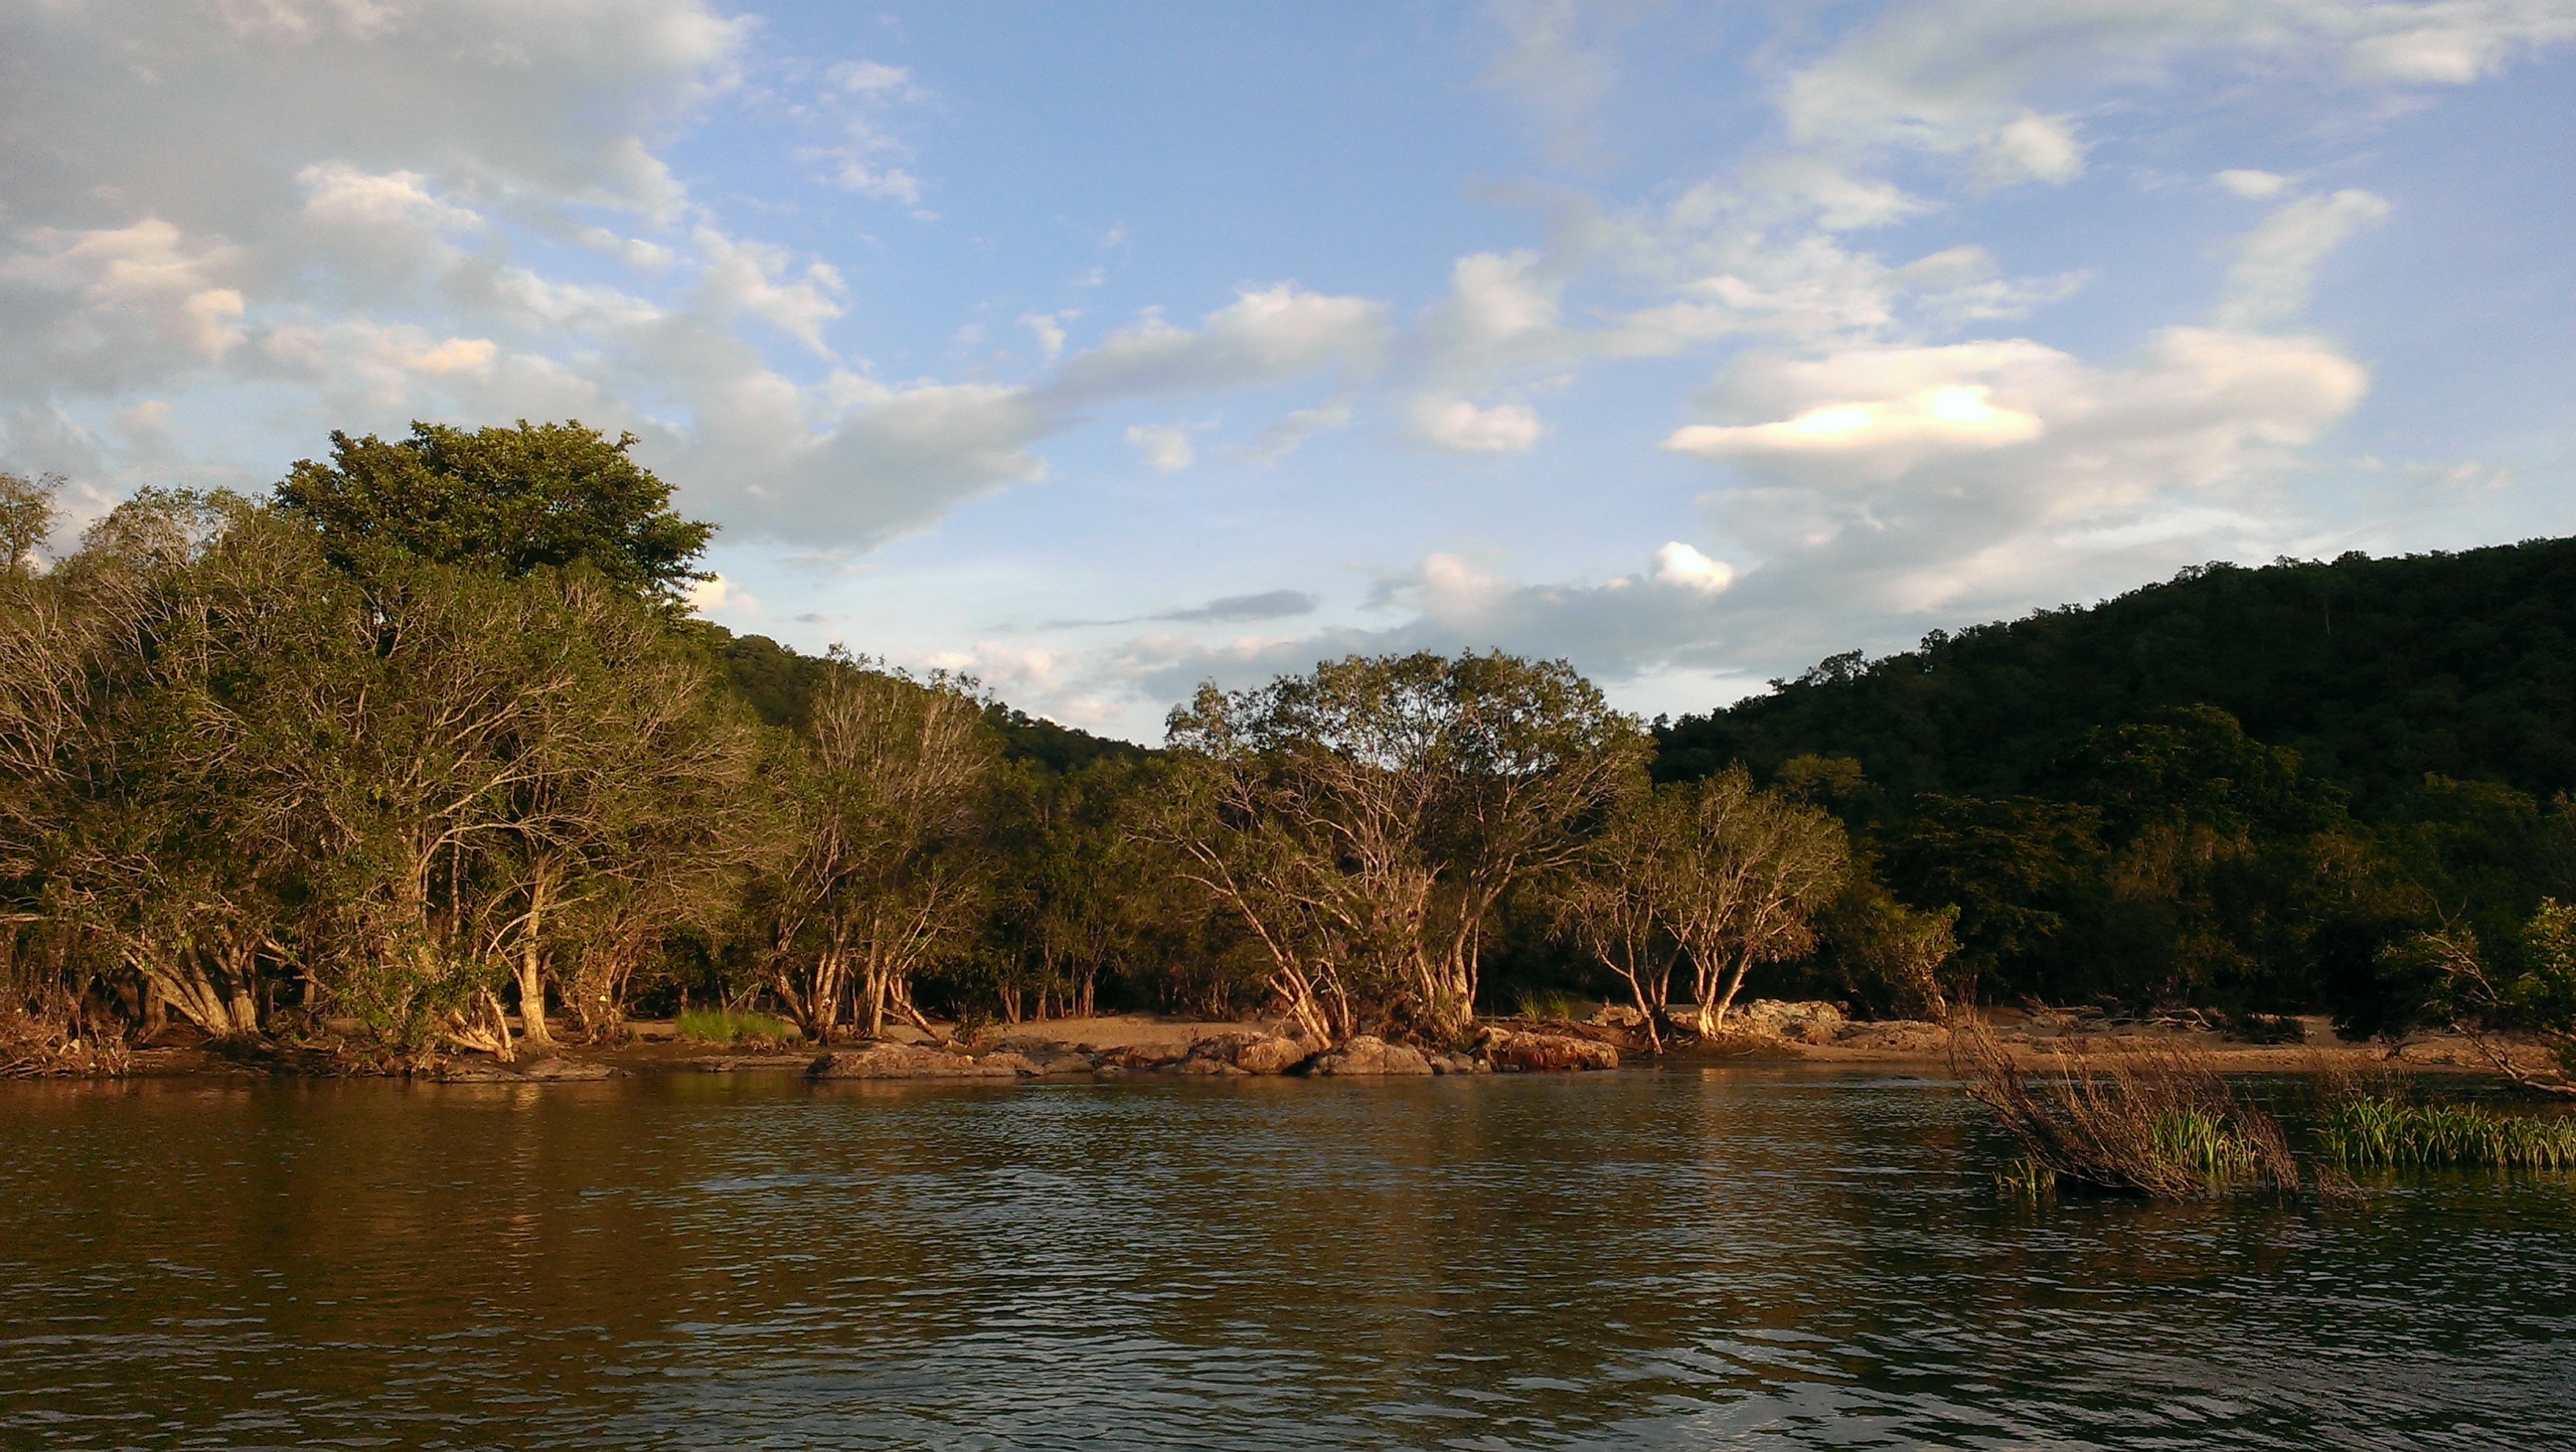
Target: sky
(1098,351)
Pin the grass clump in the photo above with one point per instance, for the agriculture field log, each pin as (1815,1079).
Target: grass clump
(2153,1121)
(2374,1131)
(732,1026)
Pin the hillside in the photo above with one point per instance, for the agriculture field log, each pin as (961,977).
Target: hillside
(2375,671)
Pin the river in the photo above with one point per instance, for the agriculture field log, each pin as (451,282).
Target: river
(1754,1257)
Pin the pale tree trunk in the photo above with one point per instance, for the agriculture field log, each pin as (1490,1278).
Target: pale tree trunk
(531,968)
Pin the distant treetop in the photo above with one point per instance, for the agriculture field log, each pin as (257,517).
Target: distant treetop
(509,499)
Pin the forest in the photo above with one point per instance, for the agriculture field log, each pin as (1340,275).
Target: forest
(427,746)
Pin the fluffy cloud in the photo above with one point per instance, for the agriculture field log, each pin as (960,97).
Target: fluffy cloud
(1955,79)
(1266,335)
(1453,425)
(1164,448)
(2275,263)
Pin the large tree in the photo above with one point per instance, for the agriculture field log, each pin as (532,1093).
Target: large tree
(508,500)
(1365,819)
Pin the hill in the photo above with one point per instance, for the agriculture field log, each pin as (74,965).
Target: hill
(2375,671)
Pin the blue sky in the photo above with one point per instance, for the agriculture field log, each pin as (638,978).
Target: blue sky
(1101,350)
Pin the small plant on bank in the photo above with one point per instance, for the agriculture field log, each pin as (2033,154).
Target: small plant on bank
(733,1026)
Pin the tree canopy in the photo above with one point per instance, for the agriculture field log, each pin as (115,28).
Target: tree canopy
(505,499)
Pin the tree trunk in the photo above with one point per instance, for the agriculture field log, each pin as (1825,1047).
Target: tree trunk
(532,998)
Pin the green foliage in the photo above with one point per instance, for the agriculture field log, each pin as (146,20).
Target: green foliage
(728,1025)
(507,500)
(26,517)
(2197,792)
(2374,1132)
(2375,671)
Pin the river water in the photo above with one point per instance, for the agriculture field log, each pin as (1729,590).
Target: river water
(1735,1258)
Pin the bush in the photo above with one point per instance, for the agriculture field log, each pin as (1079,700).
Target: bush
(727,1026)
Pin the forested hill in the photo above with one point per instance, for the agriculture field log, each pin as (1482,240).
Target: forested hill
(2375,671)
(779,683)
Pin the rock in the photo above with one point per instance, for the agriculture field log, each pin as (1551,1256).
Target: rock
(1812,1022)
(1618,1016)
(566,1069)
(1140,1056)
(1459,1064)
(1253,1053)
(910,1061)
(1061,1061)
(1369,1054)
(1525,1053)
(1204,1068)
(1019,1064)
(1898,1036)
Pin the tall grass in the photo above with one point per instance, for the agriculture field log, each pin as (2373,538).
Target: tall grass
(729,1025)
(2372,1131)
(2151,1120)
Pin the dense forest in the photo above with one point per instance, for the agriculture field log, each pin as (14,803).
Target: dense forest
(425,753)
(2292,787)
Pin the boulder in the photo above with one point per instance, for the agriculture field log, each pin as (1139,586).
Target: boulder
(911,1061)
(1814,1022)
(1459,1064)
(566,1069)
(1245,1054)
(1513,1052)
(1895,1036)
(1369,1054)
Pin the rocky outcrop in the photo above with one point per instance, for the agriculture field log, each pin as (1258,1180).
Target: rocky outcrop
(1250,1053)
(1895,1036)
(911,1061)
(1370,1055)
(1795,1023)
(540,1071)
(1513,1052)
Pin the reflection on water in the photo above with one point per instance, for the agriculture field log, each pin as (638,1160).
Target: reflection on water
(1750,1257)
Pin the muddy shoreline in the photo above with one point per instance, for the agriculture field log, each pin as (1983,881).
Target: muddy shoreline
(1145,1043)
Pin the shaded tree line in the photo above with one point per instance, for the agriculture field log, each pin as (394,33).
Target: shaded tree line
(425,751)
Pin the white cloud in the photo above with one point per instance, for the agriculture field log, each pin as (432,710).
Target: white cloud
(2278,260)
(1456,426)
(2056,461)
(1048,329)
(1267,335)
(2252,185)
(753,277)
(1680,564)
(1164,448)
(1953,414)
(1285,437)
(871,78)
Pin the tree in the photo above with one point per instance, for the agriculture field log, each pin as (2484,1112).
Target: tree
(508,500)
(26,517)
(1611,899)
(1365,819)
(1746,871)
(881,880)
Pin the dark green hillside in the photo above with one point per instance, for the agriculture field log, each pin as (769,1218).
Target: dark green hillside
(2375,671)
(2247,787)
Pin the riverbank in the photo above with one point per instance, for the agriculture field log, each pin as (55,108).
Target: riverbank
(1145,1043)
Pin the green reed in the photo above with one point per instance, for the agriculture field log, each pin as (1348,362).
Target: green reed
(2374,1132)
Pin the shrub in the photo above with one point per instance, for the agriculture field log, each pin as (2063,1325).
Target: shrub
(727,1025)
